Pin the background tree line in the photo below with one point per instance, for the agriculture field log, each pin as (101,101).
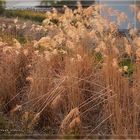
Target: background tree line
(66,2)
(2,5)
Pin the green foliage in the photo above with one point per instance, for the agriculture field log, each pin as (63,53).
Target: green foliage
(22,39)
(41,48)
(74,2)
(2,6)
(48,2)
(127,61)
(26,14)
(3,123)
(65,2)
(99,57)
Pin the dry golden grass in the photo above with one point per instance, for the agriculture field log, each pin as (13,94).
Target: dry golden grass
(81,79)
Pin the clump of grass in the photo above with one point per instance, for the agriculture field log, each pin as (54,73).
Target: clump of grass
(9,74)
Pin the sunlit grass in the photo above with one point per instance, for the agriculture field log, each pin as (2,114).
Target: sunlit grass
(76,76)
